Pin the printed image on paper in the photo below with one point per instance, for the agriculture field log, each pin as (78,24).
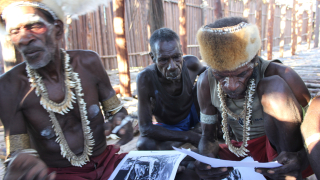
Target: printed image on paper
(150,165)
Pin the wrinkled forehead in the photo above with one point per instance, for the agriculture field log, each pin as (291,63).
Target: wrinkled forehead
(165,46)
(22,16)
(239,70)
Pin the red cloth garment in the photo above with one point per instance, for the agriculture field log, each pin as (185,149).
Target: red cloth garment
(99,167)
(260,150)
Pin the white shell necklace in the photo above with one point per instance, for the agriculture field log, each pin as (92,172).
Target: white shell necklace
(242,151)
(72,80)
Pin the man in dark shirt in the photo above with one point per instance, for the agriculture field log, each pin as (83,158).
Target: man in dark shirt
(166,91)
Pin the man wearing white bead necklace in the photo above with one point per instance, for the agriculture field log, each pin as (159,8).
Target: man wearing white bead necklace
(51,102)
(260,100)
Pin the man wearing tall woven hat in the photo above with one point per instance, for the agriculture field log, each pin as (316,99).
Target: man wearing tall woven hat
(260,100)
(50,104)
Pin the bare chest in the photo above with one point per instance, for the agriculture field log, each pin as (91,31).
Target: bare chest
(173,89)
(38,117)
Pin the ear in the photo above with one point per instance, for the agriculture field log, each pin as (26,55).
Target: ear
(58,25)
(152,56)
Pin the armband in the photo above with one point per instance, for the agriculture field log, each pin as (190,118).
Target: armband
(17,142)
(208,119)
(112,106)
(312,138)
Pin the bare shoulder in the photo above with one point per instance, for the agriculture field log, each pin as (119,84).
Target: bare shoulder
(85,57)
(14,84)
(278,69)
(13,80)
(89,61)
(193,64)
(285,72)
(203,82)
(292,78)
(143,80)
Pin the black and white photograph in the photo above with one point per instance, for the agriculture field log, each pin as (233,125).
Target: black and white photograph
(245,173)
(150,165)
(234,175)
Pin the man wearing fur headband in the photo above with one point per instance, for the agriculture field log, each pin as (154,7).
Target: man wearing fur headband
(50,104)
(260,100)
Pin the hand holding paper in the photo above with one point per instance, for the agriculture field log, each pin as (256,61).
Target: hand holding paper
(226,163)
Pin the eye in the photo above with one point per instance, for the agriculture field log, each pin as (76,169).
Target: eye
(218,77)
(162,60)
(14,31)
(242,74)
(37,27)
(177,57)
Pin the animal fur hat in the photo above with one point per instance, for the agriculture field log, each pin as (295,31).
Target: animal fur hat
(227,48)
(59,9)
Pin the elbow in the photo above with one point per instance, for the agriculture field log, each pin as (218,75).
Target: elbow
(145,131)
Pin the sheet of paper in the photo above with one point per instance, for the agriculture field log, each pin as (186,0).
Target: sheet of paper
(226,163)
(155,165)
(245,173)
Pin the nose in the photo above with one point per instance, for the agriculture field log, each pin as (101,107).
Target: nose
(172,66)
(25,37)
(232,86)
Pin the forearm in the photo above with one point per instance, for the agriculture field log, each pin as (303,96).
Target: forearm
(314,156)
(208,146)
(304,158)
(162,134)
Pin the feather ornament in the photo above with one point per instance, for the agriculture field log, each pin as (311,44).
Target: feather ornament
(76,8)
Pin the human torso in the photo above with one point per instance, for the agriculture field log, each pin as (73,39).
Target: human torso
(236,106)
(168,106)
(41,130)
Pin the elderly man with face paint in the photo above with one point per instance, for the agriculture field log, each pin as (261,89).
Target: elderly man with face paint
(262,101)
(50,103)
(166,92)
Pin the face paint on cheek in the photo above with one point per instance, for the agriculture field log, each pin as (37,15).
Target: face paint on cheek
(226,82)
(251,65)
(15,21)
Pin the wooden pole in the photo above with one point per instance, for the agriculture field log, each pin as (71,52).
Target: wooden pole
(1,61)
(121,47)
(226,8)
(282,28)
(316,29)
(310,20)
(217,9)
(294,28)
(246,10)
(183,26)
(156,15)
(270,29)
(299,23)
(259,19)
(204,17)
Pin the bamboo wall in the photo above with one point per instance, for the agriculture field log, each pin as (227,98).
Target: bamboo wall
(94,31)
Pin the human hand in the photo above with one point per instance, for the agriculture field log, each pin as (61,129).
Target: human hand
(205,171)
(125,132)
(291,169)
(27,166)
